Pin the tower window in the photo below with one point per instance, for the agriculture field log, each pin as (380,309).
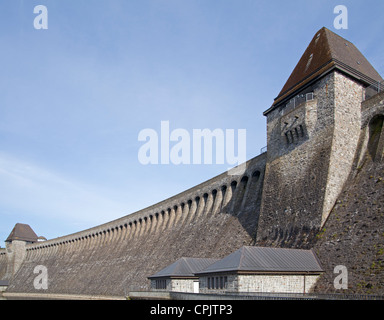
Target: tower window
(294,135)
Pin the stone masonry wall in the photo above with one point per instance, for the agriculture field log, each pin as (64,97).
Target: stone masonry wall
(3,263)
(182,285)
(231,285)
(276,283)
(353,235)
(174,285)
(321,185)
(16,252)
(209,220)
(306,173)
(347,115)
(296,172)
(262,283)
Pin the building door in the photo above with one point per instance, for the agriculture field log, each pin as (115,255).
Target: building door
(195,286)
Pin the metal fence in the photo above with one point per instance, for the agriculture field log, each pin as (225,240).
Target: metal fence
(304,296)
(250,296)
(300,98)
(374,89)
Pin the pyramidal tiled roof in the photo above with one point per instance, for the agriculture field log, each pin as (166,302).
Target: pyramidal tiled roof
(22,232)
(184,267)
(326,52)
(263,259)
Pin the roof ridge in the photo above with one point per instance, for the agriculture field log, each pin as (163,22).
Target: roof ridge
(188,265)
(242,254)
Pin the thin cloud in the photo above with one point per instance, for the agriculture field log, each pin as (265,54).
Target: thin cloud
(41,192)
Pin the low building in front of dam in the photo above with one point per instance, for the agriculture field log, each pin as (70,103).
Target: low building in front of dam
(249,269)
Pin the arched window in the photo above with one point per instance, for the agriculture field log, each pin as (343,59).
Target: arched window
(376,137)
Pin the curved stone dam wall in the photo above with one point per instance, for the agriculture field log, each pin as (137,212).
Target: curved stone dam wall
(318,186)
(209,220)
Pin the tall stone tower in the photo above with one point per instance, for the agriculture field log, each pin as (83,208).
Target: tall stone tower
(313,129)
(20,236)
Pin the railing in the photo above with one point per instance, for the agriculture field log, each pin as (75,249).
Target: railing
(263,149)
(374,89)
(252,296)
(300,98)
(304,296)
(274,296)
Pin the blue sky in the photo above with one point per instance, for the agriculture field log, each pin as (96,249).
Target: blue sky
(74,97)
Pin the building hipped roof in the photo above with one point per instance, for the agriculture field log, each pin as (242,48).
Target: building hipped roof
(266,260)
(327,51)
(184,267)
(22,232)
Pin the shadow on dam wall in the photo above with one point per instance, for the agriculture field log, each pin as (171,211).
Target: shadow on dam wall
(209,220)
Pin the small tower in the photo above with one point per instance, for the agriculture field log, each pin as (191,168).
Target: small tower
(20,236)
(313,129)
